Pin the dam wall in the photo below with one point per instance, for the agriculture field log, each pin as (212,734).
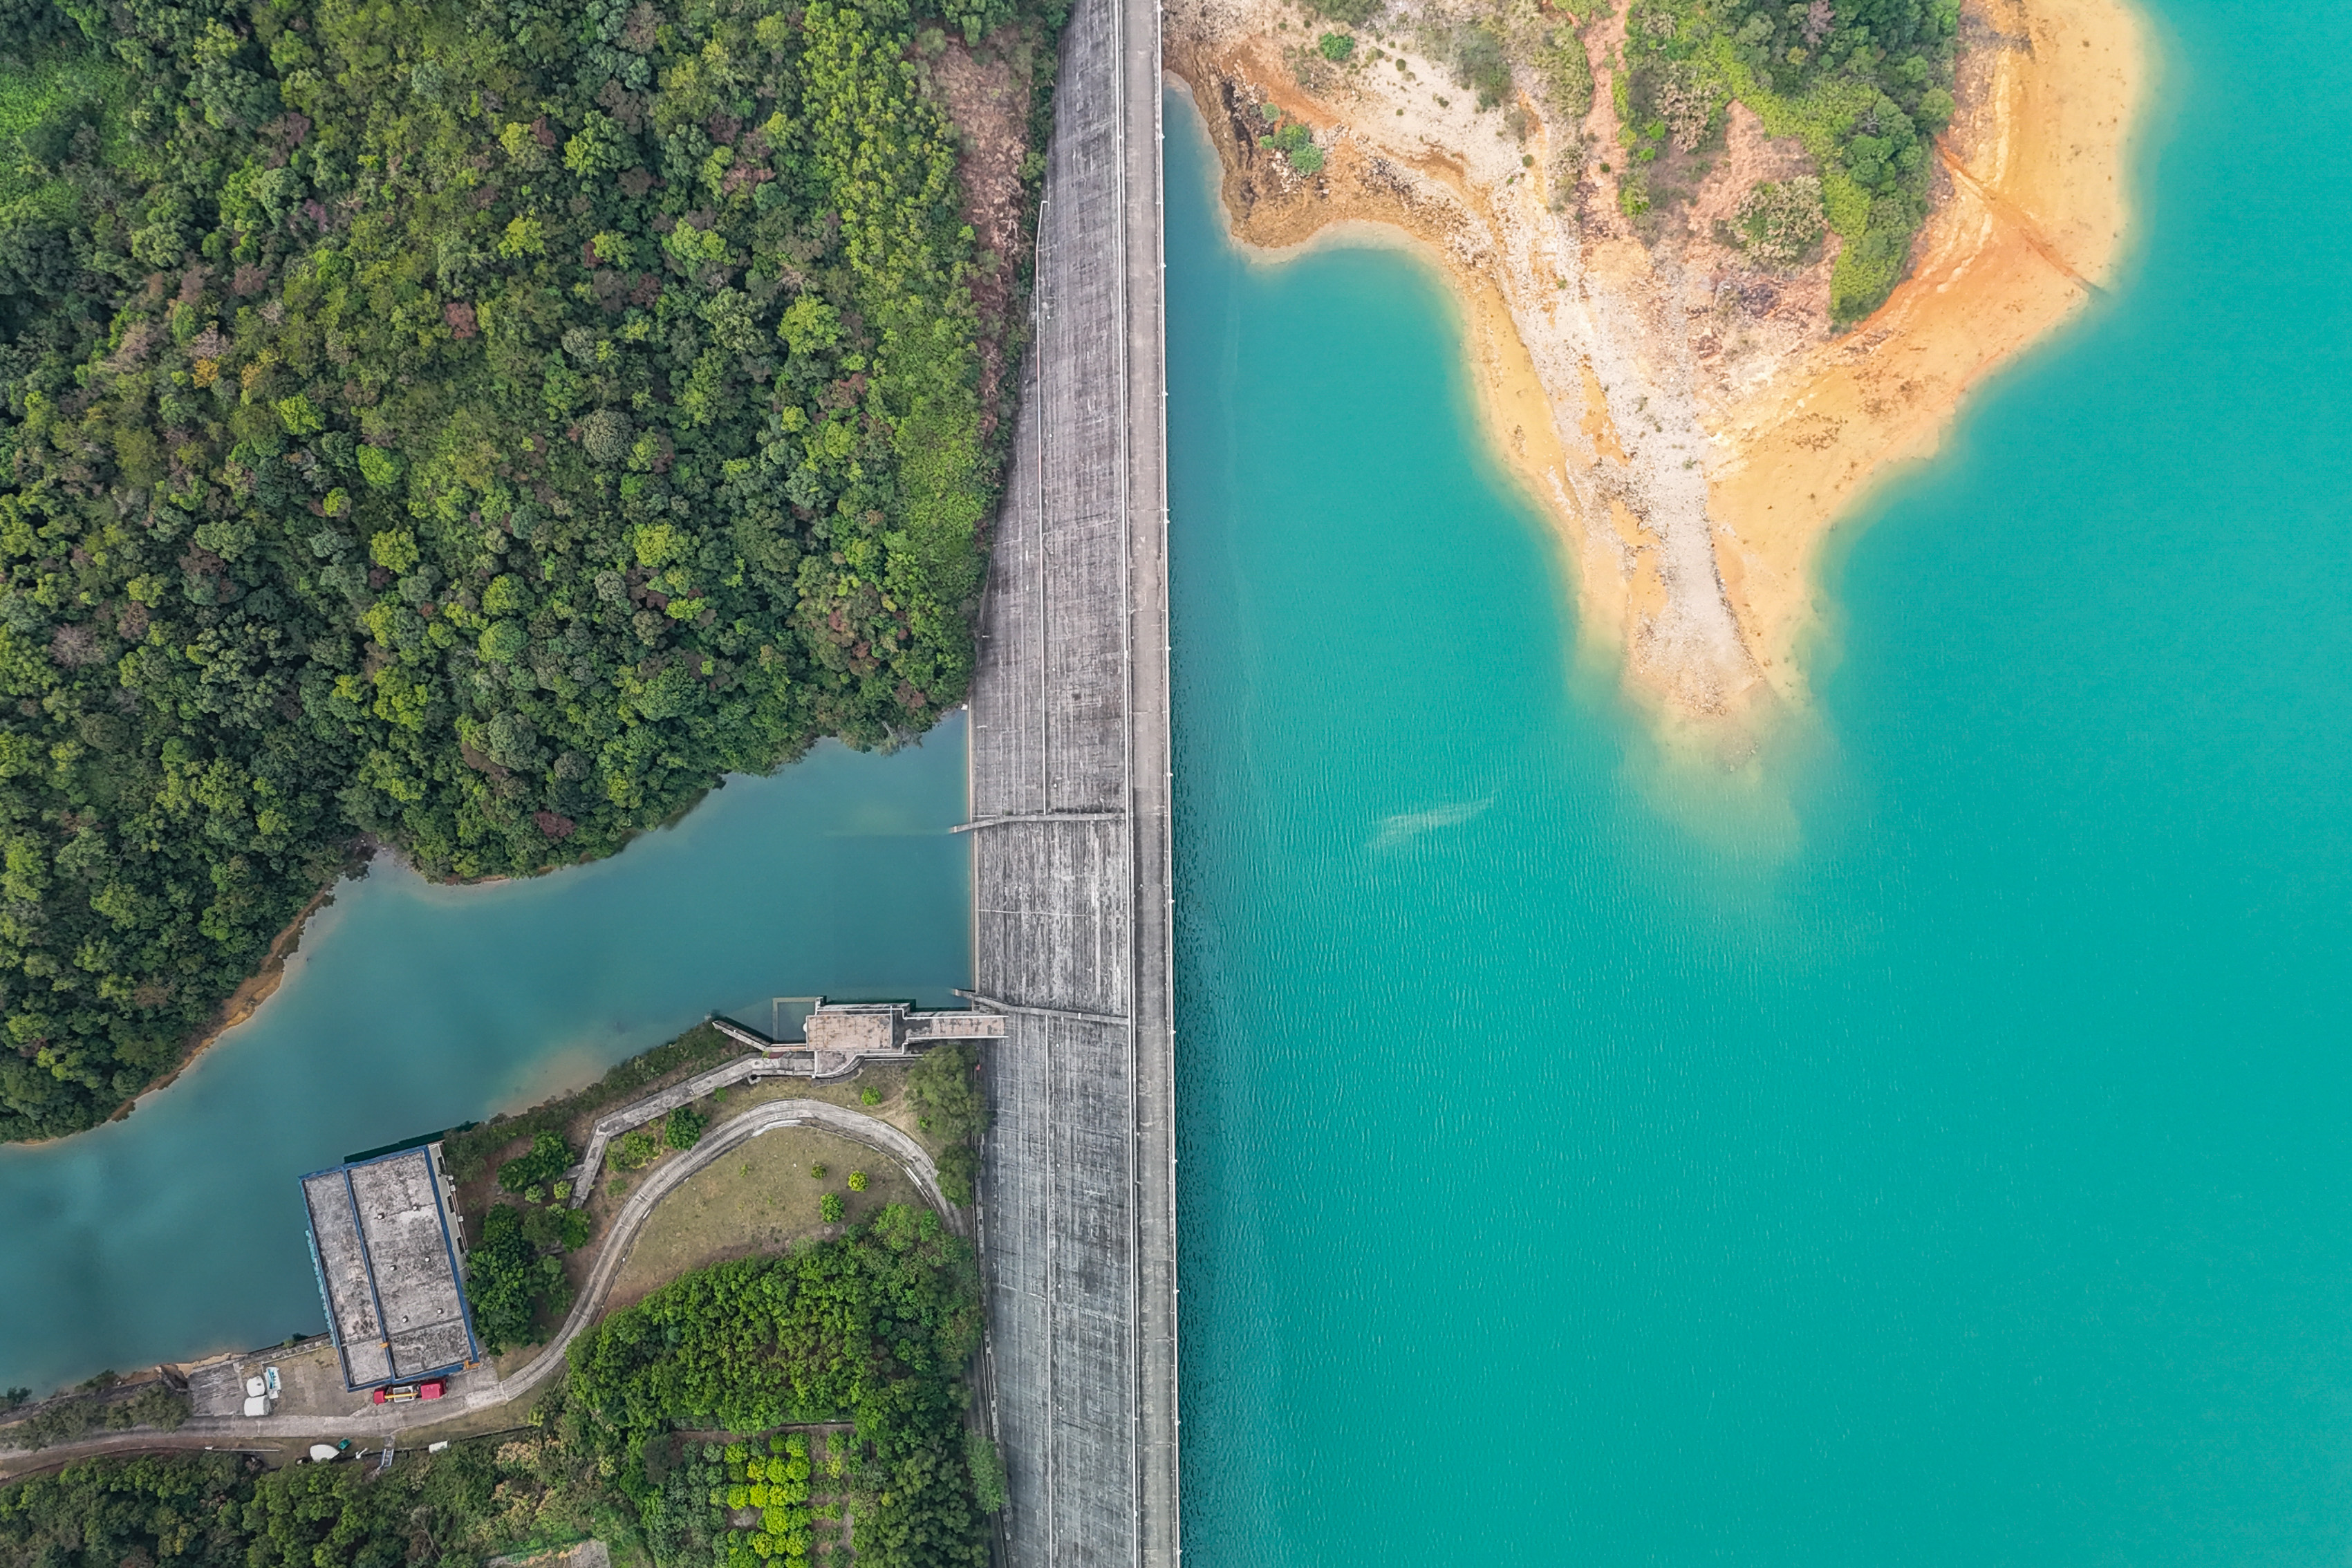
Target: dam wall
(1070,807)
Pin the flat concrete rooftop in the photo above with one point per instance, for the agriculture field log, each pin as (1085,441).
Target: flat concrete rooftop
(387,1260)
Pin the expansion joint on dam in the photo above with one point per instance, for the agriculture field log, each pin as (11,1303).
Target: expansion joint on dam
(1071,878)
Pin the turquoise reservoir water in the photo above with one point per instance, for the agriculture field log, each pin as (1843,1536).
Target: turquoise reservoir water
(412,1007)
(1938,1150)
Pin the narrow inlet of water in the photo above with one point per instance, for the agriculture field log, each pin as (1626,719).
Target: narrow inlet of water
(411,1007)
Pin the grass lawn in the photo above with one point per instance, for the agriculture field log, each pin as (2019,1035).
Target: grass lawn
(758,1198)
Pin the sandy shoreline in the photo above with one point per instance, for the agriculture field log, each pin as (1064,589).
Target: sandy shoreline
(2038,206)
(241,1004)
(1691,484)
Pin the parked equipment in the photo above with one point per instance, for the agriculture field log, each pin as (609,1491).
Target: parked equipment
(401,1392)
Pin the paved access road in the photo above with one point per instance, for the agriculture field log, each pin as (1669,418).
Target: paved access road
(481,1391)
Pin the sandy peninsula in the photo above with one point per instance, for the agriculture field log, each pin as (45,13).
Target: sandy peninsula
(1694,427)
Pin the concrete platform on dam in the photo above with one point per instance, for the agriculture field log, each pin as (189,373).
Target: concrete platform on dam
(1070,806)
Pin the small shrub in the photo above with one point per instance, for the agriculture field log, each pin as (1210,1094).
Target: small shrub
(856,1181)
(1687,104)
(945,1088)
(1867,269)
(987,1473)
(959,1168)
(549,1157)
(1567,73)
(1779,223)
(559,1229)
(1633,192)
(684,1128)
(869,1096)
(817,1170)
(636,1149)
(830,1208)
(1297,144)
(1338,48)
(1481,63)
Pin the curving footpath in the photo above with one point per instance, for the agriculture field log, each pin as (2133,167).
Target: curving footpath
(487,1391)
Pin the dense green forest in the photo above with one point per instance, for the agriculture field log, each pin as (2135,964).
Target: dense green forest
(472,425)
(876,1327)
(663,1443)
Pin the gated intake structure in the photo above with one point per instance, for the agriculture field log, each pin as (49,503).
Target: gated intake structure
(1070,829)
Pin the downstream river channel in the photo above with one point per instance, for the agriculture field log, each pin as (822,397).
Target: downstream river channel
(1932,1145)
(412,1007)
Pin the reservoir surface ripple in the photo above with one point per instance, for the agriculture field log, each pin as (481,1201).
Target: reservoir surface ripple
(1931,1142)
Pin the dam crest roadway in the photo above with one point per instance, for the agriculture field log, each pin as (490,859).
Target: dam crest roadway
(1070,808)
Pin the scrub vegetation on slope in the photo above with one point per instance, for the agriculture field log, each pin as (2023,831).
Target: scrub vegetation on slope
(472,425)
(1864,85)
(1665,218)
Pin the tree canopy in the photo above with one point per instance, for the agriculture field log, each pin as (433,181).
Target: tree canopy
(866,1340)
(452,1509)
(875,1328)
(472,425)
(1864,84)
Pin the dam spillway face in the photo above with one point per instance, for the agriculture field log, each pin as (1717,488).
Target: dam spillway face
(1071,851)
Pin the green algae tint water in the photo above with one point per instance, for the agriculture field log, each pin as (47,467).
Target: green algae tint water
(412,1007)
(1932,1145)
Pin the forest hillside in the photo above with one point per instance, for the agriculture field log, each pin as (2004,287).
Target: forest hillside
(471,427)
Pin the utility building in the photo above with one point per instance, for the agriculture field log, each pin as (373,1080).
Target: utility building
(386,1253)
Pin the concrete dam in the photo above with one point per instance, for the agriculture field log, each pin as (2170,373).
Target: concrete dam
(1071,851)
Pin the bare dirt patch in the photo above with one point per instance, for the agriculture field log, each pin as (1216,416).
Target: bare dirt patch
(1707,427)
(986,93)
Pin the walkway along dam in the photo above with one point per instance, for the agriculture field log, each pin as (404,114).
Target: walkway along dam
(1071,853)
